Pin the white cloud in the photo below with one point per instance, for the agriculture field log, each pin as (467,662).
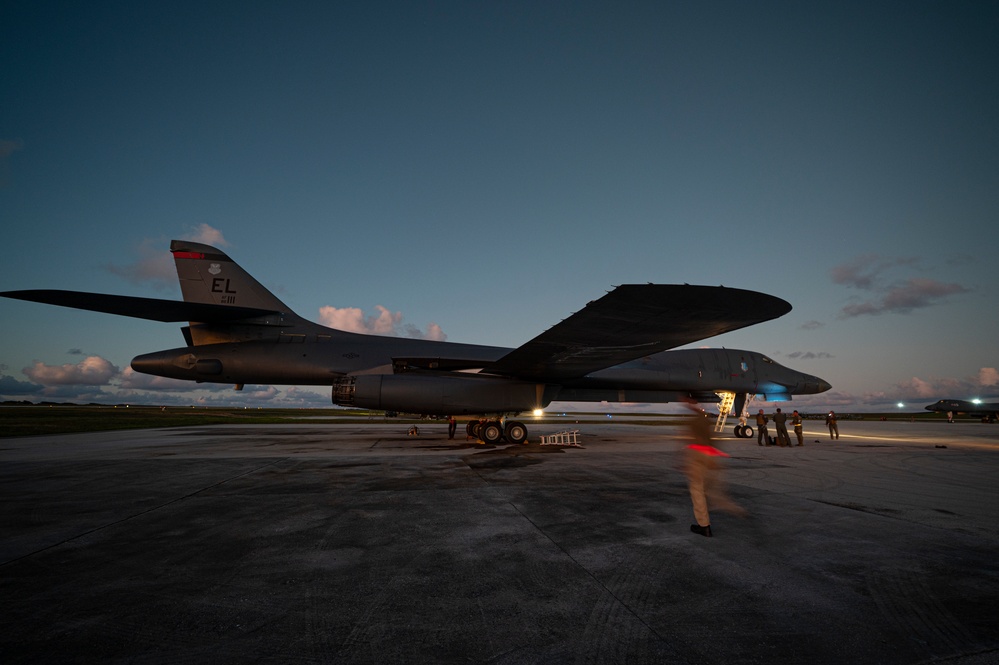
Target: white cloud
(91,371)
(352,319)
(988,376)
(207,235)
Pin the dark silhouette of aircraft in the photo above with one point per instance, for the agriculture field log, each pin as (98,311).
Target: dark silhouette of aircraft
(615,349)
(987,412)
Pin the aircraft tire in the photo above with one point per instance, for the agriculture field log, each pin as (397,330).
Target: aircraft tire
(471,429)
(747,432)
(491,432)
(515,432)
(739,434)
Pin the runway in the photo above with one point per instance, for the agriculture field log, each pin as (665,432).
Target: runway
(360,544)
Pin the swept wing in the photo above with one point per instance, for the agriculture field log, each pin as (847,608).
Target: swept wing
(633,321)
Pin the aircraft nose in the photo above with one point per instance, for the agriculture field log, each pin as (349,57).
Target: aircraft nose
(812,385)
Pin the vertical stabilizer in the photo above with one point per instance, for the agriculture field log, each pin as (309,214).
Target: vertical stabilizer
(208,276)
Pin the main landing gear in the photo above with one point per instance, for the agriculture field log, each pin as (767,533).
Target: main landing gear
(493,431)
(743,432)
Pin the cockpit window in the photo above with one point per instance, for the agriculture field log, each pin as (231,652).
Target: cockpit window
(766,360)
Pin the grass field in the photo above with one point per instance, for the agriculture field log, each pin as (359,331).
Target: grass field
(33,420)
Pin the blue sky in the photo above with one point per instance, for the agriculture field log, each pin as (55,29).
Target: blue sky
(478,171)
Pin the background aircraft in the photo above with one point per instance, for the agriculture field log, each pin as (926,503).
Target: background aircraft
(987,412)
(614,349)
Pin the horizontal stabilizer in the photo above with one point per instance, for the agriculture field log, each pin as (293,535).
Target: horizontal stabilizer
(152,309)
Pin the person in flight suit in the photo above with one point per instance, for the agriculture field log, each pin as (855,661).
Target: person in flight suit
(761,429)
(796,422)
(831,424)
(780,421)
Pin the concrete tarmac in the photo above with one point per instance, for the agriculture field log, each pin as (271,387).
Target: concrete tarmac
(360,544)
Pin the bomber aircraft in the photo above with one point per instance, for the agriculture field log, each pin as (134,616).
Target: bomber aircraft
(989,413)
(615,349)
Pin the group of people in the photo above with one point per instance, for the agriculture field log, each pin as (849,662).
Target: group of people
(701,463)
(780,424)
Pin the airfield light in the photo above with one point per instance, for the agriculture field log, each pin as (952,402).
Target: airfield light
(901,405)
(538,413)
(976,401)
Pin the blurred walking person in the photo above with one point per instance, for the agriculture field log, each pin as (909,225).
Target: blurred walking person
(701,464)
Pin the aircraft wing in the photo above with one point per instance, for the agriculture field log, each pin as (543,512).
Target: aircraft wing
(153,309)
(633,321)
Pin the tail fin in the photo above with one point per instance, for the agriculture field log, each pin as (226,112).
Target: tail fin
(222,302)
(208,276)
(210,279)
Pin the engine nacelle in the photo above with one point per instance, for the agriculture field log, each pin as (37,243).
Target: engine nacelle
(441,395)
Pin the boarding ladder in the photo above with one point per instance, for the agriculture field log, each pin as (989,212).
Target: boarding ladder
(727,402)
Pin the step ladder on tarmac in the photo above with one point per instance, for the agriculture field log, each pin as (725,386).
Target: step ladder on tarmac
(569,437)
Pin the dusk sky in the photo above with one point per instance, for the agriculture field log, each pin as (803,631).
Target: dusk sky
(477,171)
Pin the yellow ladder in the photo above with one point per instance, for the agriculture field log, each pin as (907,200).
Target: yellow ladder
(727,401)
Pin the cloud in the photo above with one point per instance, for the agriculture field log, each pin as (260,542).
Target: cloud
(809,355)
(811,325)
(262,394)
(352,319)
(11,386)
(91,371)
(154,265)
(132,380)
(916,387)
(948,388)
(913,293)
(869,272)
(864,272)
(206,235)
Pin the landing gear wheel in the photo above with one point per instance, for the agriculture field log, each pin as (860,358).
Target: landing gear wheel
(515,432)
(739,434)
(491,432)
(747,432)
(472,429)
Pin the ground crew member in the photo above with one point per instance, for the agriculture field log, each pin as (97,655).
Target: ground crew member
(761,429)
(796,422)
(780,420)
(701,464)
(452,425)
(831,424)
